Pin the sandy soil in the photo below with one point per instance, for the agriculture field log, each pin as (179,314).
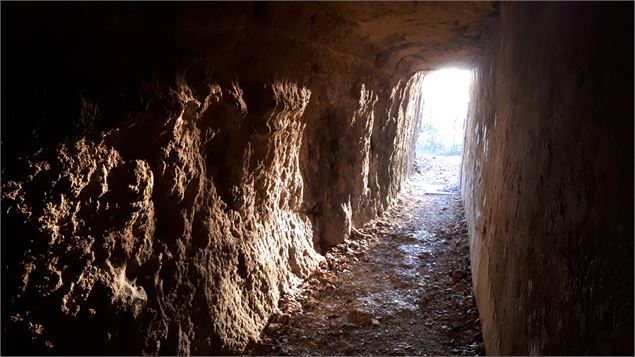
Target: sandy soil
(399,286)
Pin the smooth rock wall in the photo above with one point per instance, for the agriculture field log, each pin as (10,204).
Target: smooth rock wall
(548,180)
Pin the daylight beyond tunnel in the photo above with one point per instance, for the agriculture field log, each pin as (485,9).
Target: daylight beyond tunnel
(172,171)
(445,99)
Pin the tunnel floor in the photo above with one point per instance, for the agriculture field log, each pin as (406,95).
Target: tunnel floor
(399,286)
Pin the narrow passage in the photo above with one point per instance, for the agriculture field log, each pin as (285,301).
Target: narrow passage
(399,286)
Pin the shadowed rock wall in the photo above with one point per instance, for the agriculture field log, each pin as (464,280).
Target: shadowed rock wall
(170,169)
(548,180)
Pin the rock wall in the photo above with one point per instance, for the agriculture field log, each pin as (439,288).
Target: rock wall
(548,180)
(170,169)
(177,244)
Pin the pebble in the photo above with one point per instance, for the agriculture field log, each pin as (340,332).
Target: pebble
(273,327)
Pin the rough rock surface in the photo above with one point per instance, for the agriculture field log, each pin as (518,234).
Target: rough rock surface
(162,241)
(548,181)
(170,169)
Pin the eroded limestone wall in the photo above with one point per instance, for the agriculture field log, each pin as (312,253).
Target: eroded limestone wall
(548,180)
(168,170)
(178,232)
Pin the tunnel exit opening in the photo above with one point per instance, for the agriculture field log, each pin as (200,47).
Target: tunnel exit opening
(441,134)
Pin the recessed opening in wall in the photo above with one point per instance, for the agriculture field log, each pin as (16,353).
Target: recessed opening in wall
(439,147)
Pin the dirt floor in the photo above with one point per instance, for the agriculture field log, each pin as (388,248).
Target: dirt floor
(399,286)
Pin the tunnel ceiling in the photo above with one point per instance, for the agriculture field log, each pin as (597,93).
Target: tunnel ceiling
(387,37)
(224,39)
(418,36)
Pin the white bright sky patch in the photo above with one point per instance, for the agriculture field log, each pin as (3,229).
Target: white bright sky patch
(445,100)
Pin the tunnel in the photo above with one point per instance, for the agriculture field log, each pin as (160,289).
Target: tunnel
(204,178)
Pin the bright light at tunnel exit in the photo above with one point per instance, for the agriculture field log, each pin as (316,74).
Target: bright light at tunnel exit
(445,102)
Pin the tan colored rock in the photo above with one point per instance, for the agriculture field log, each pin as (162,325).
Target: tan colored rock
(219,149)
